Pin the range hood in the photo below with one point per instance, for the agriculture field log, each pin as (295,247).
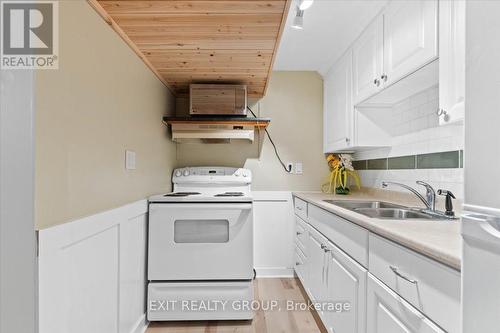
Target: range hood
(216,129)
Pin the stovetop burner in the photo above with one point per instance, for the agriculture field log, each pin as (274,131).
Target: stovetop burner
(230,194)
(181,194)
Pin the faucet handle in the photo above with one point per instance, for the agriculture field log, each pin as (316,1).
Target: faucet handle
(430,194)
(427,185)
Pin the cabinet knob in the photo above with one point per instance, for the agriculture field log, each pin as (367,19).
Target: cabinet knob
(444,114)
(441,112)
(376,82)
(384,77)
(299,233)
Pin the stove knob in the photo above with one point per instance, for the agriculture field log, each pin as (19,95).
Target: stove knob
(237,173)
(186,173)
(178,173)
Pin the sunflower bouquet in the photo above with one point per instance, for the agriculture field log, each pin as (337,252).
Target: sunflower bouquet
(340,170)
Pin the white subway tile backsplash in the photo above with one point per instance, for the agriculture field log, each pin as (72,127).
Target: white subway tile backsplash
(416,130)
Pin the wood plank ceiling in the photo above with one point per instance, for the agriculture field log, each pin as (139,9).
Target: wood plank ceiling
(213,41)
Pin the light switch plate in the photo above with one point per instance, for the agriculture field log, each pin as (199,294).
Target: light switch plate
(129,159)
(298,168)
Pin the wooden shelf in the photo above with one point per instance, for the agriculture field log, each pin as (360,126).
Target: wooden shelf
(260,123)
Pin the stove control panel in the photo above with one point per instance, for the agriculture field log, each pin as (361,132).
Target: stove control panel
(212,174)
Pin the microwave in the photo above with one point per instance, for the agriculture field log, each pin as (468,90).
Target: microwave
(218,99)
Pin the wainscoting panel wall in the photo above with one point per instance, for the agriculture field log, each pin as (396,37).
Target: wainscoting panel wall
(92,273)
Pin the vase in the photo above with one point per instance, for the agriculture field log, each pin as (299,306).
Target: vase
(342,190)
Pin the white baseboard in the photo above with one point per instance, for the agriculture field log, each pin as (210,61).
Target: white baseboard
(275,272)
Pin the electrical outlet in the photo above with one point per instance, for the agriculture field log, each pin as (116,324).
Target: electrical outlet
(289,166)
(129,160)
(298,168)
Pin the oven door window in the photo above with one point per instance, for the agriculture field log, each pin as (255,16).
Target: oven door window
(201,231)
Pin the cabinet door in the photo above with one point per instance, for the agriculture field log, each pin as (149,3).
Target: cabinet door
(337,106)
(316,265)
(274,239)
(410,37)
(389,313)
(367,61)
(451,61)
(346,282)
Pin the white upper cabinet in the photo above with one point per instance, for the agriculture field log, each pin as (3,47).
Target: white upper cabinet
(451,61)
(410,37)
(367,61)
(337,106)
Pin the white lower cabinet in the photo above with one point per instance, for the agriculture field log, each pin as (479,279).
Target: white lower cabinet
(389,313)
(345,283)
(316,265)
(390,289)
(338,284)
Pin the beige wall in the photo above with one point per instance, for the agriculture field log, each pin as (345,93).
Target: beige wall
(294,104)
(101,101)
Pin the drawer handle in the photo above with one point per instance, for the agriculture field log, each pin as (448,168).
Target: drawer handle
(299,233)
(298,208)
(297,263)
(396,271)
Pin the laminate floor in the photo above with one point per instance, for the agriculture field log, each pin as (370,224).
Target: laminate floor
(299,321)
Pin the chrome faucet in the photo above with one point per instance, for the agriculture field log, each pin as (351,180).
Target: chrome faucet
(430,195)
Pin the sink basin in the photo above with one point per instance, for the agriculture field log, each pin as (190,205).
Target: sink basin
(355,204)
(393,213)
(382,210)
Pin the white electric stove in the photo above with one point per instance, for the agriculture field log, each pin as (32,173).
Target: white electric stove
(201,246)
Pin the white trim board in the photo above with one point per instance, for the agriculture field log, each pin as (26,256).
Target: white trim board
(92,273)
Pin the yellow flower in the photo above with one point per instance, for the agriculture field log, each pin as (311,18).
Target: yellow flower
(333,161)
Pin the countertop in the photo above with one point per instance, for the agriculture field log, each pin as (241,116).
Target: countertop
(439,240)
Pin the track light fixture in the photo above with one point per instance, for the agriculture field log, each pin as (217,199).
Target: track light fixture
(298,20)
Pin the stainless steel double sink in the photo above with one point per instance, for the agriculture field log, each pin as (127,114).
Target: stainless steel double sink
(382,210)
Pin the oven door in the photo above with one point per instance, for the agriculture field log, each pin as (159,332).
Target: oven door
(200,241)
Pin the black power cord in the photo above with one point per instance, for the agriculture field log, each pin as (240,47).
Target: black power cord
(274,145)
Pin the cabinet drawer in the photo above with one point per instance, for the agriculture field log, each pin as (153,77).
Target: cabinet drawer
(349,237)
(301,234)
(428,285)
(300,208)
(386,312)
